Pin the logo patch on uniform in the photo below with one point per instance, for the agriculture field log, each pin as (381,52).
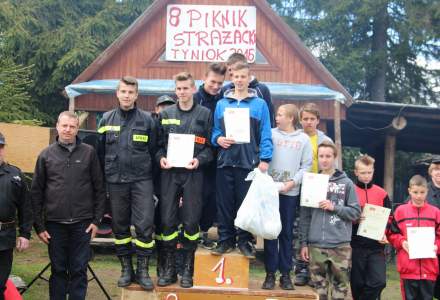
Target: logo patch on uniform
(140,138)
(78,161)
(16,177)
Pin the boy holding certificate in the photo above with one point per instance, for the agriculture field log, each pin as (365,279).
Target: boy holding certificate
(325,232)
(368,272)
(292,156)
(243,134)
(183,141)
(416,258)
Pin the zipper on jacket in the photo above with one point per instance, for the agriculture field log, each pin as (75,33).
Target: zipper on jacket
(418,225)
(366,192)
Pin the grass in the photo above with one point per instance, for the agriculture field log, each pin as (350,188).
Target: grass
(27,265)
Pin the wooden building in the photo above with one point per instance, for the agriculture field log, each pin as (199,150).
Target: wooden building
(282,61)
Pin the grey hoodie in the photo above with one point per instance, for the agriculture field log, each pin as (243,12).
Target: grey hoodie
(292,156)
(326,229)
(321,136)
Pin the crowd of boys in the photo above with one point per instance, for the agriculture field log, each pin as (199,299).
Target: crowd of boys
(170,205)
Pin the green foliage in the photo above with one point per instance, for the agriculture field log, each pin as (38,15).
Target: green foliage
(60,38)
(343,33)
(16,105)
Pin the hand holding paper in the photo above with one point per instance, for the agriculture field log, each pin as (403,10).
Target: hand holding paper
(373,222)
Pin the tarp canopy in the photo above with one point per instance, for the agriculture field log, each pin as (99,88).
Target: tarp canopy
(157,87)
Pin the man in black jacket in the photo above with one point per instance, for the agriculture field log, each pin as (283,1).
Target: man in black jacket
(13,199)
(128,141)
(68,200)
(207,95)
(185,118)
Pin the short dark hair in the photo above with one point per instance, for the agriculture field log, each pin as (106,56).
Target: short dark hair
(235,58)
(328,144)
(240,66)
(216,68)
(184,76)
(129,80)
(311,108)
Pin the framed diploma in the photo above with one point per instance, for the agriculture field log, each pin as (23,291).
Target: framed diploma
(375,222)
(314,189)
(237,125)
(180,150)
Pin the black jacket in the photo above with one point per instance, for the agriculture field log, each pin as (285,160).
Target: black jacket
(13,199)
(195,121)
(128,144)
(207,100)
(433,195)
(67,186)
(262,92)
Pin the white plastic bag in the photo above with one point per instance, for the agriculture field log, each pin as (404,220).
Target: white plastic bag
(259,213)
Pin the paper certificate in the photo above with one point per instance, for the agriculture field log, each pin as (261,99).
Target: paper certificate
(375,222)
(421,242)
(314,189)
(237,124)
(180,150)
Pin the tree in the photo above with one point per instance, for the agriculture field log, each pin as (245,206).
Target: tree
(60,38)
(373,47)
(16,105)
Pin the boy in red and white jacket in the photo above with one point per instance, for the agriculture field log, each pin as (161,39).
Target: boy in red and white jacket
(417,276)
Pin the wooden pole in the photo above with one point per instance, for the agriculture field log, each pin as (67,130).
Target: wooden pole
(72,104)
(338,139)
(390,155)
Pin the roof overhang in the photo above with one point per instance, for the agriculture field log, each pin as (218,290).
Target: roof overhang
(157,87)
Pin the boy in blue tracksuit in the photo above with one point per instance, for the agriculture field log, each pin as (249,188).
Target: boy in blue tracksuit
(236,160)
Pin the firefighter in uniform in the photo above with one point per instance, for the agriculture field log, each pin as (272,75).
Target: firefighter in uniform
(185,117)
(13,198)
(128,139)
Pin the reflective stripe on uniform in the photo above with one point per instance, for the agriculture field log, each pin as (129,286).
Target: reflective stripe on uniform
(144,245)
(123,241)
(140,138)
(158,237)
(191,237)
(170,237)
(106,128)
(170,122)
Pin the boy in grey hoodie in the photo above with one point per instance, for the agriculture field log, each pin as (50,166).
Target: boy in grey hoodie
(325,232)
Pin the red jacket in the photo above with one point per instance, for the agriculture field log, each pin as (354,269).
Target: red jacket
(407,215)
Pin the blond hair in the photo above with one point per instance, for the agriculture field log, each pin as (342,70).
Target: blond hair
(311,108)
(418,180)
(291,111)
(364,159)
(328,144)
(184,76)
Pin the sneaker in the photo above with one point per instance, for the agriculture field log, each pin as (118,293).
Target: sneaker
(286,282)
(206,242)
(247,250)
(269,281)
(222,248)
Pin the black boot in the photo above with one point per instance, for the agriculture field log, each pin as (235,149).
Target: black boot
(169,275)
(269,281)
(127,273)
(286,282)
(188,269)
(302,276)
(142,276)
(160,260)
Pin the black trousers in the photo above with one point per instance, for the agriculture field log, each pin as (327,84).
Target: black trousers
(417,289)
(69,253)
(368,273)
(188,184)
(437,283)
(231,191)
(5,269)
(209,210)
(132,203)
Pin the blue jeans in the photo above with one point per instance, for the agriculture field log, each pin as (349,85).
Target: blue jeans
(69,253)
(278,253)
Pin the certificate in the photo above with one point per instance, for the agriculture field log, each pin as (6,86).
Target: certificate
(421,242)
(180,150)
(237,124)
(314,189)
(375,222)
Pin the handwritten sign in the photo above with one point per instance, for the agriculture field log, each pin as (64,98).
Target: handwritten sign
(210,32)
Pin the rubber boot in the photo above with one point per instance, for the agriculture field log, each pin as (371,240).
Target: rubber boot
(188,269)
(169,275)
(142,276)
(127,273)
(160,260)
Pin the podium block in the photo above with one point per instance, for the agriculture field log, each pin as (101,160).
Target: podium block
(229,271)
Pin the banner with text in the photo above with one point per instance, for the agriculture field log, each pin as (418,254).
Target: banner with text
(210,32)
